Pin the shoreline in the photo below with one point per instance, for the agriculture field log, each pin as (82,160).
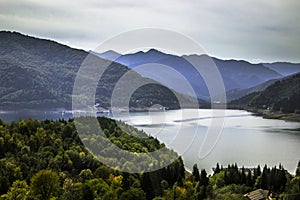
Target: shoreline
(262,113)
(268,114)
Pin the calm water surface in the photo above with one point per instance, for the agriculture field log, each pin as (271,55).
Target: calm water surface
(244,138)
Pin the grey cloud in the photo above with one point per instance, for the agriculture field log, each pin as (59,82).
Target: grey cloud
(249,29)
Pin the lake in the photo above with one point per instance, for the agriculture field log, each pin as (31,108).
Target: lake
(243,138)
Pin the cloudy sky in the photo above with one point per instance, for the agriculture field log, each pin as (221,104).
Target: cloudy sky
(255,30)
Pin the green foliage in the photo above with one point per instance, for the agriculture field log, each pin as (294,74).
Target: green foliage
(71,190)
(38,73)
(196,173)
(283,96)
(293,190)
(273,179)
(45,184)
(50,156)
(203,178)
(133,194)
(217,180)
(46,160)
(18,191)
(232,191)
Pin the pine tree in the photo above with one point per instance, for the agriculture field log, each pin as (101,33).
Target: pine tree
(283,179)
(265,178)
(249,181)
(257,173)
(203,178)
(217,170)
(147,186)
(196,173)
(243,176)
(298,169)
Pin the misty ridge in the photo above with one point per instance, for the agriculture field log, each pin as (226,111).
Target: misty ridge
(39,73)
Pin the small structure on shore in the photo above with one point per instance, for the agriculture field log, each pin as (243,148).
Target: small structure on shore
(259,194)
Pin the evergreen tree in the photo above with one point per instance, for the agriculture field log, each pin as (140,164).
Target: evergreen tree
(298,169)
(257,173)
(196,173)
(249,181)
(282,180)
(203,178)
(217,169)
(243,176)
(147,186)
(265,178)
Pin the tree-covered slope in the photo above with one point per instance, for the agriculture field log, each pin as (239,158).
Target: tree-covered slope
(36,72)
(283,95)
(46,160)
(39,73)
(49,156)
(239,93)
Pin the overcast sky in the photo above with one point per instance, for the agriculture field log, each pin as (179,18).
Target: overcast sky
(255,30)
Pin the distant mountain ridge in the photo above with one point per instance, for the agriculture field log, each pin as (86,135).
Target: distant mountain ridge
(39,73)
(109,55)
(283,68)
(237,75)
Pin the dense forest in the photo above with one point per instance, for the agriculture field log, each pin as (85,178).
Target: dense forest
(283,96)
(47,160)
(40,74)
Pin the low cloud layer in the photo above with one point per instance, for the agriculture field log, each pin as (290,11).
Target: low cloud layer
(255,30)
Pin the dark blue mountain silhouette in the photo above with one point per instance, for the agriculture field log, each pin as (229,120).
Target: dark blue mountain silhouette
(236,74)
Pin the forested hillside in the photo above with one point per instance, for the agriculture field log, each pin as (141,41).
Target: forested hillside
(46,160)
(283,96)
(49,158)
(38,73)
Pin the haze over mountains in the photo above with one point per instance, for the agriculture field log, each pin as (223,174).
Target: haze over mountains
(240,77)
(38,73)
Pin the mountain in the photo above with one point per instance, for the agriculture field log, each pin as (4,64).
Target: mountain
(39,73)
(238,93)
(35,71)
(236,74)
(108,55)
(178,76)
(283,96)
(242,74)
(139,58)
(284,68)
